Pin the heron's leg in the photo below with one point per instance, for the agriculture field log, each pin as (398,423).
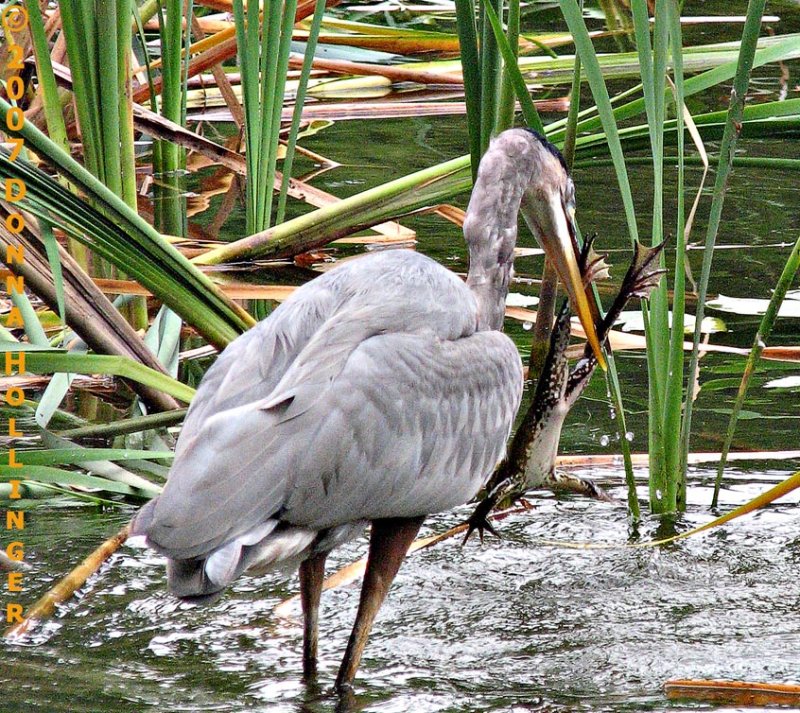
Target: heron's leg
(388,544)
(312,573)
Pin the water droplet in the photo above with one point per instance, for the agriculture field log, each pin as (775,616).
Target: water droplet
(527,326)
(629,436)
(604,440)
(658,495)
(612,413)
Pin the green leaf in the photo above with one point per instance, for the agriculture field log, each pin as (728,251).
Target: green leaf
(115,231)
(529,111)
(78,455)
(58,476)
(583,44)
(38,361)
(734,117)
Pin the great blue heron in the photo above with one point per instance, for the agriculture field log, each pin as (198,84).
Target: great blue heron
(378,393)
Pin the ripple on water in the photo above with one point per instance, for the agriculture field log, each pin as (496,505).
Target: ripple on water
(510,625)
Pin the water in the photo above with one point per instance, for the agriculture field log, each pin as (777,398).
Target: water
(512,625)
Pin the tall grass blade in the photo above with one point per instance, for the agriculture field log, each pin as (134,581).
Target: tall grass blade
(78,455)
(264,60)
(135,424)
(788,275)
(51,103)
(169,160)
(125,237)
(619,407)
(471,71)
(491,75)
(733,124)
(33,327)
(51,362)
(59,476)
(585,49)
(299,101)
(571,125)
(673,401)
(56,391)
(125,119)
(588,57)
(506,104)
(780,49)
(511,70)
(169,155)
(107,76)
(163,338)
(88,311)
(280,64)
(51,247)
(307,232)
(653,58)
(77,36)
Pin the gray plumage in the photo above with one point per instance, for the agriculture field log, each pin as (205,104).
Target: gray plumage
(350,403)
(381,389)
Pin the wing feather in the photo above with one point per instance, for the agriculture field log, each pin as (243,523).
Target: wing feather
(388,437)
(343,407)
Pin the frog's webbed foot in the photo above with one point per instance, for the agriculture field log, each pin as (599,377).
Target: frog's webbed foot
(479,520)
(558,480)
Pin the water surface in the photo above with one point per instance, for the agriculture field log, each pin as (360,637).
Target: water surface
(508,625)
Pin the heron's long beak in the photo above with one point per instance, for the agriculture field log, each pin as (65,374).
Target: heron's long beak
(558,241)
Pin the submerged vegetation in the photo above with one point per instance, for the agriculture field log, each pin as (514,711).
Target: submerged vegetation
(124,268)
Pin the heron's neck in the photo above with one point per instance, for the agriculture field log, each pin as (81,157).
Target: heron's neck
(490,229)
(490,287)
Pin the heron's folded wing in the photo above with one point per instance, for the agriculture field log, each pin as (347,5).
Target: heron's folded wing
(250,367)
(412,425)
(394,291)
(395,425)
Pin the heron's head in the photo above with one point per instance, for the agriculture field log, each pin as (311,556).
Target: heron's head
(548,206)
(522,171)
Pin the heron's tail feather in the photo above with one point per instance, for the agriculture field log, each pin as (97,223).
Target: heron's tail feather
(202,579)
(271,545)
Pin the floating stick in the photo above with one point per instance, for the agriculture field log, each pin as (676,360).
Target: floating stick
(738,693)
(66,587)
